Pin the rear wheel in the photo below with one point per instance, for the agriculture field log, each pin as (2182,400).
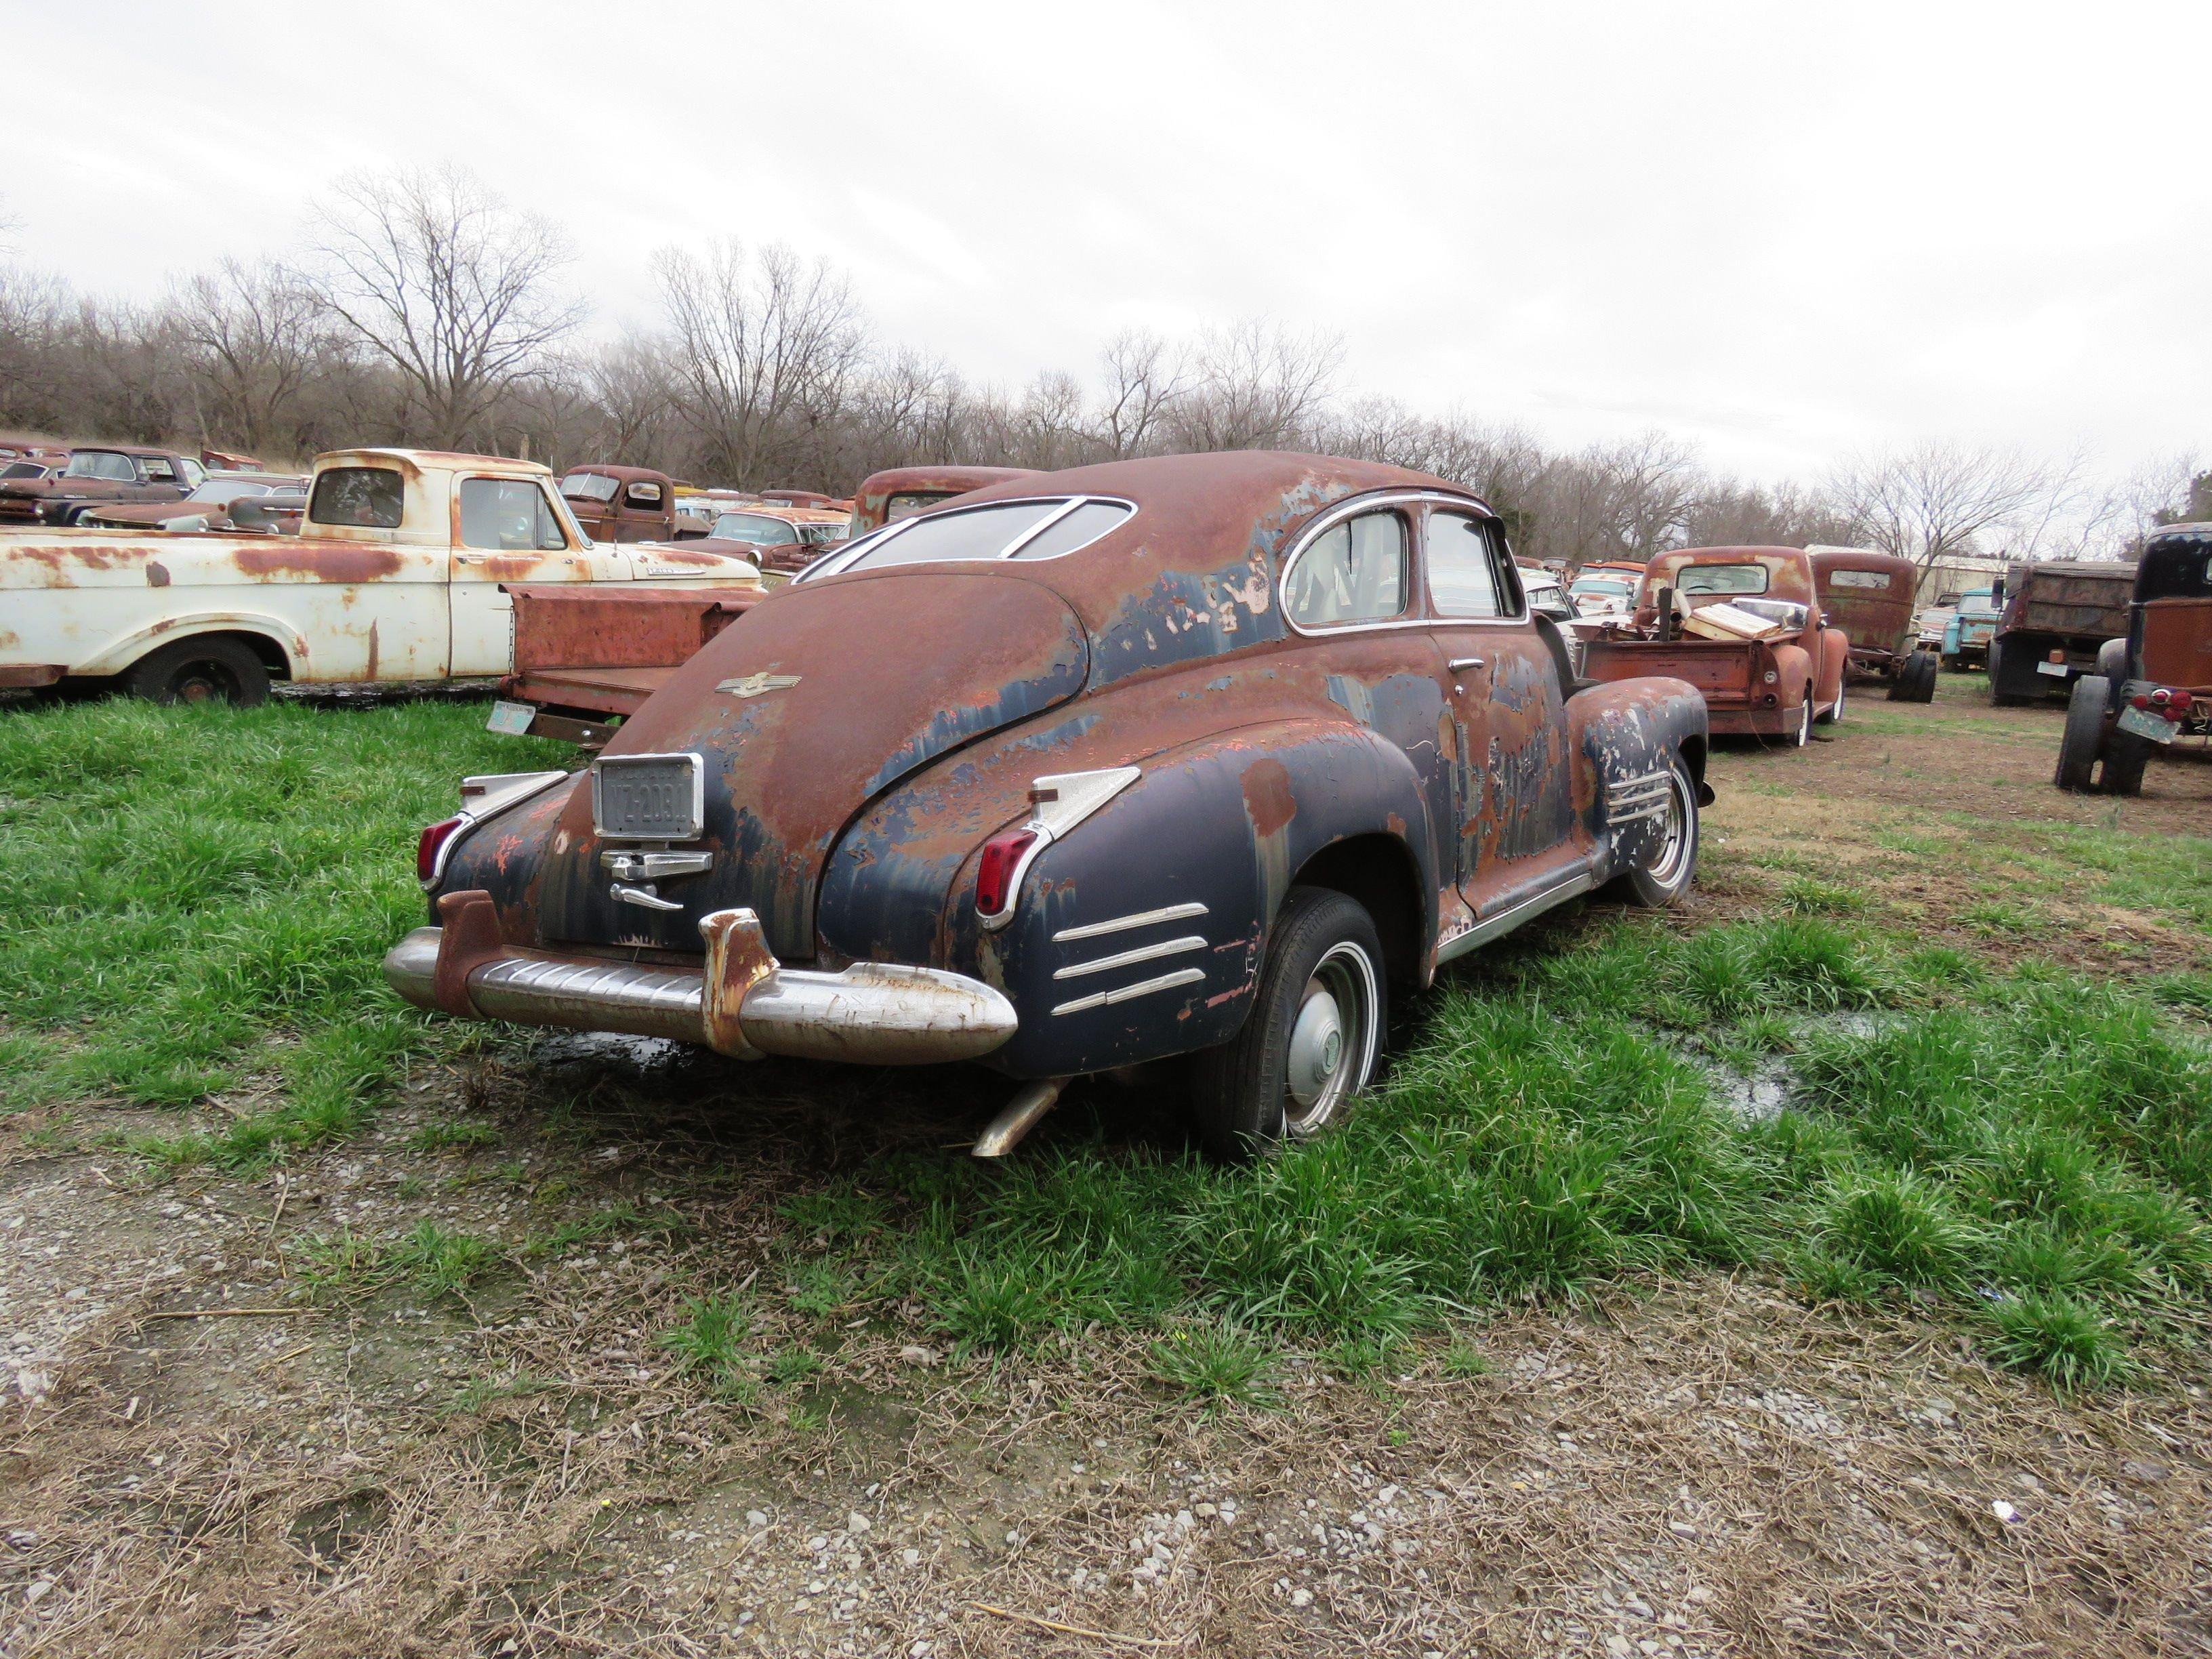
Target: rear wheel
(1312,1038)
(214,669)
(2000,694)
(1924,680)
(1665,876)
(2126,757)
(1804,732)
(2084,734)
(1836,713)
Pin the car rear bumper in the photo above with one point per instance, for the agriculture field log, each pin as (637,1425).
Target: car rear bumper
(741,1001)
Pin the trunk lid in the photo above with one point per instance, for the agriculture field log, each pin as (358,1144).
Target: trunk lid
(804,710)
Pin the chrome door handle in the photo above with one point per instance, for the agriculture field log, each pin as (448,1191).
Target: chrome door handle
(1458,663)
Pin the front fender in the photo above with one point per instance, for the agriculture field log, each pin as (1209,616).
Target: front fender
(1624,735)
(119,654)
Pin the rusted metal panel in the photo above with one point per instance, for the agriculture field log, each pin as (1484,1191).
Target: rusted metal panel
(2078,598)
(861,735)
(899,490)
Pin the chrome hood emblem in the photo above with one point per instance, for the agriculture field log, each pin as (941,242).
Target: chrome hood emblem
(758,686)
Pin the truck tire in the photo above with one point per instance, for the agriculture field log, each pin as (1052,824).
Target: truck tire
(1311,1040)
(1666,876)
(1924,678)
(1902,679)
(1835,714)
(1803,735)
(2113,660)
(215,669)
(2000,694)
(2126,757)
(2084,734)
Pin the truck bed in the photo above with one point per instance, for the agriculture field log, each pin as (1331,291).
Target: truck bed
(604,651)
(1727,673)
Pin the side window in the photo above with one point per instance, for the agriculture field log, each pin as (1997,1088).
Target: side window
(645,494)
(158,470)
(1353,572)
(508,515)
(359,497)
(1464,579)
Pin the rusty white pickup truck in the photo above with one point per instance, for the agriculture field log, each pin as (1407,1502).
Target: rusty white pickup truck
(399,574)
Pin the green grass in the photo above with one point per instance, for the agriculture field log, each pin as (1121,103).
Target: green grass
(192,898)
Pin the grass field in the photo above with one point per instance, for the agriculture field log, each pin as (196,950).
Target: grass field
(194,903)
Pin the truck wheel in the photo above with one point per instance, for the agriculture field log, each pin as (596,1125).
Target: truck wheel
(1666,876)
(1999,695)
(214,670)
(2084,734)
(1902,681)
(2113,660)
(1835,716)
(1312,1038)
(1804,734)
(2125,756)
(1924,678)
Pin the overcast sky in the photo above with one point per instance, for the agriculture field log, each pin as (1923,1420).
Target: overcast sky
(1783,231)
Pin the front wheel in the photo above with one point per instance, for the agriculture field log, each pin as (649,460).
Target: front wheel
(1804,732)
(1665,876)
(1312,1038)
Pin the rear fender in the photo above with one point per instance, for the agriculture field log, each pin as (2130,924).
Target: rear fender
(1224,824)
(1624,735)
(1793,673)
(119,654)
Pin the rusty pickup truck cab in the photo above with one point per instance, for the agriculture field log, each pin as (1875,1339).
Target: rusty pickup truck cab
(1189,756)
(2152,687)
(2057,613)
(97,476)
(1869,595)
(397,574)
(622,503)
(900,492)
(1776,686)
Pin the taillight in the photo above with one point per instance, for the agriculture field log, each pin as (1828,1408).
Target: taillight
(998,880)
(2140,700)
(430,848)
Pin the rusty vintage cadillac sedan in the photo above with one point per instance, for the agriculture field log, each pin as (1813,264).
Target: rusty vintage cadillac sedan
(1193,755)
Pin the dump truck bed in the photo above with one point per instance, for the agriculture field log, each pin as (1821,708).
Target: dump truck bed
(592,652)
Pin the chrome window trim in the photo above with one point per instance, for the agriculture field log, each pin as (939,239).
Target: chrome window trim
(1418,548)
(836,564)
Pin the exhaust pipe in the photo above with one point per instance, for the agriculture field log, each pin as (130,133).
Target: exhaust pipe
(1007,1130)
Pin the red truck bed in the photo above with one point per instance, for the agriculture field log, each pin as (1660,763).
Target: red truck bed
(603,649)
(1731,675)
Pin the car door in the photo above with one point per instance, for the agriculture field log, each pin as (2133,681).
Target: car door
(505,529)
(1513,774)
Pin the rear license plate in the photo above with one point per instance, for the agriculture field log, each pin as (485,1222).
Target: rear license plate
(2058,668)
(512,718)
(2144,724)
(648,797)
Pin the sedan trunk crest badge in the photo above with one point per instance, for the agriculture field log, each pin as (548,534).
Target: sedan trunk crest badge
(757,685)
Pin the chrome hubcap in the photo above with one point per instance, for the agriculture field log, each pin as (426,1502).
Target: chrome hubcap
(1666,866)
(1332,1040)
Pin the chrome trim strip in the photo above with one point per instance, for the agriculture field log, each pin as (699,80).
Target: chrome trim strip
(835,564)
(1143,988)
(1172,947)
(519,787)
(1122,924)
(1014,547)
(1507,920)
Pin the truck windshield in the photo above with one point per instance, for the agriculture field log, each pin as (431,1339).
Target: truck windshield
(587,487)
(101,464)
(1721,578)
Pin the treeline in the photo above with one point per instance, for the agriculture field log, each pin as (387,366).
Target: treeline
(423,311)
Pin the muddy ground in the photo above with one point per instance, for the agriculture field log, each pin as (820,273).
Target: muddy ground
(234,1426)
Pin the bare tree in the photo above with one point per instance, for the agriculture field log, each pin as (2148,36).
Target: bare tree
(1255,386)
(766,346)
(252,335)
(1936,501)
(1144,377)
(434,274)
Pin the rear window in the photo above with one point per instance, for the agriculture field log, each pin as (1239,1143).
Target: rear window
(587,487)
(756,527)
(1721,578)
(1873,581)
(907,503)
(1018,530)
(22,470)
(359,498)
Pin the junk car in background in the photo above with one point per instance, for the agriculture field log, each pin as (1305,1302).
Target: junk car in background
(1973,625)
(900,492)
(1743,625)
(99,475)
(207,507)
(2056,614)
(1191,756)
(399,575)
(2152,687)
(624,503)
(1869,595)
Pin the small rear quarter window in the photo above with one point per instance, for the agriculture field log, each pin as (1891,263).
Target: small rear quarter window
(359,497)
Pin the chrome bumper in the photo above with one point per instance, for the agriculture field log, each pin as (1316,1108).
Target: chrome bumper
(743,1002)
